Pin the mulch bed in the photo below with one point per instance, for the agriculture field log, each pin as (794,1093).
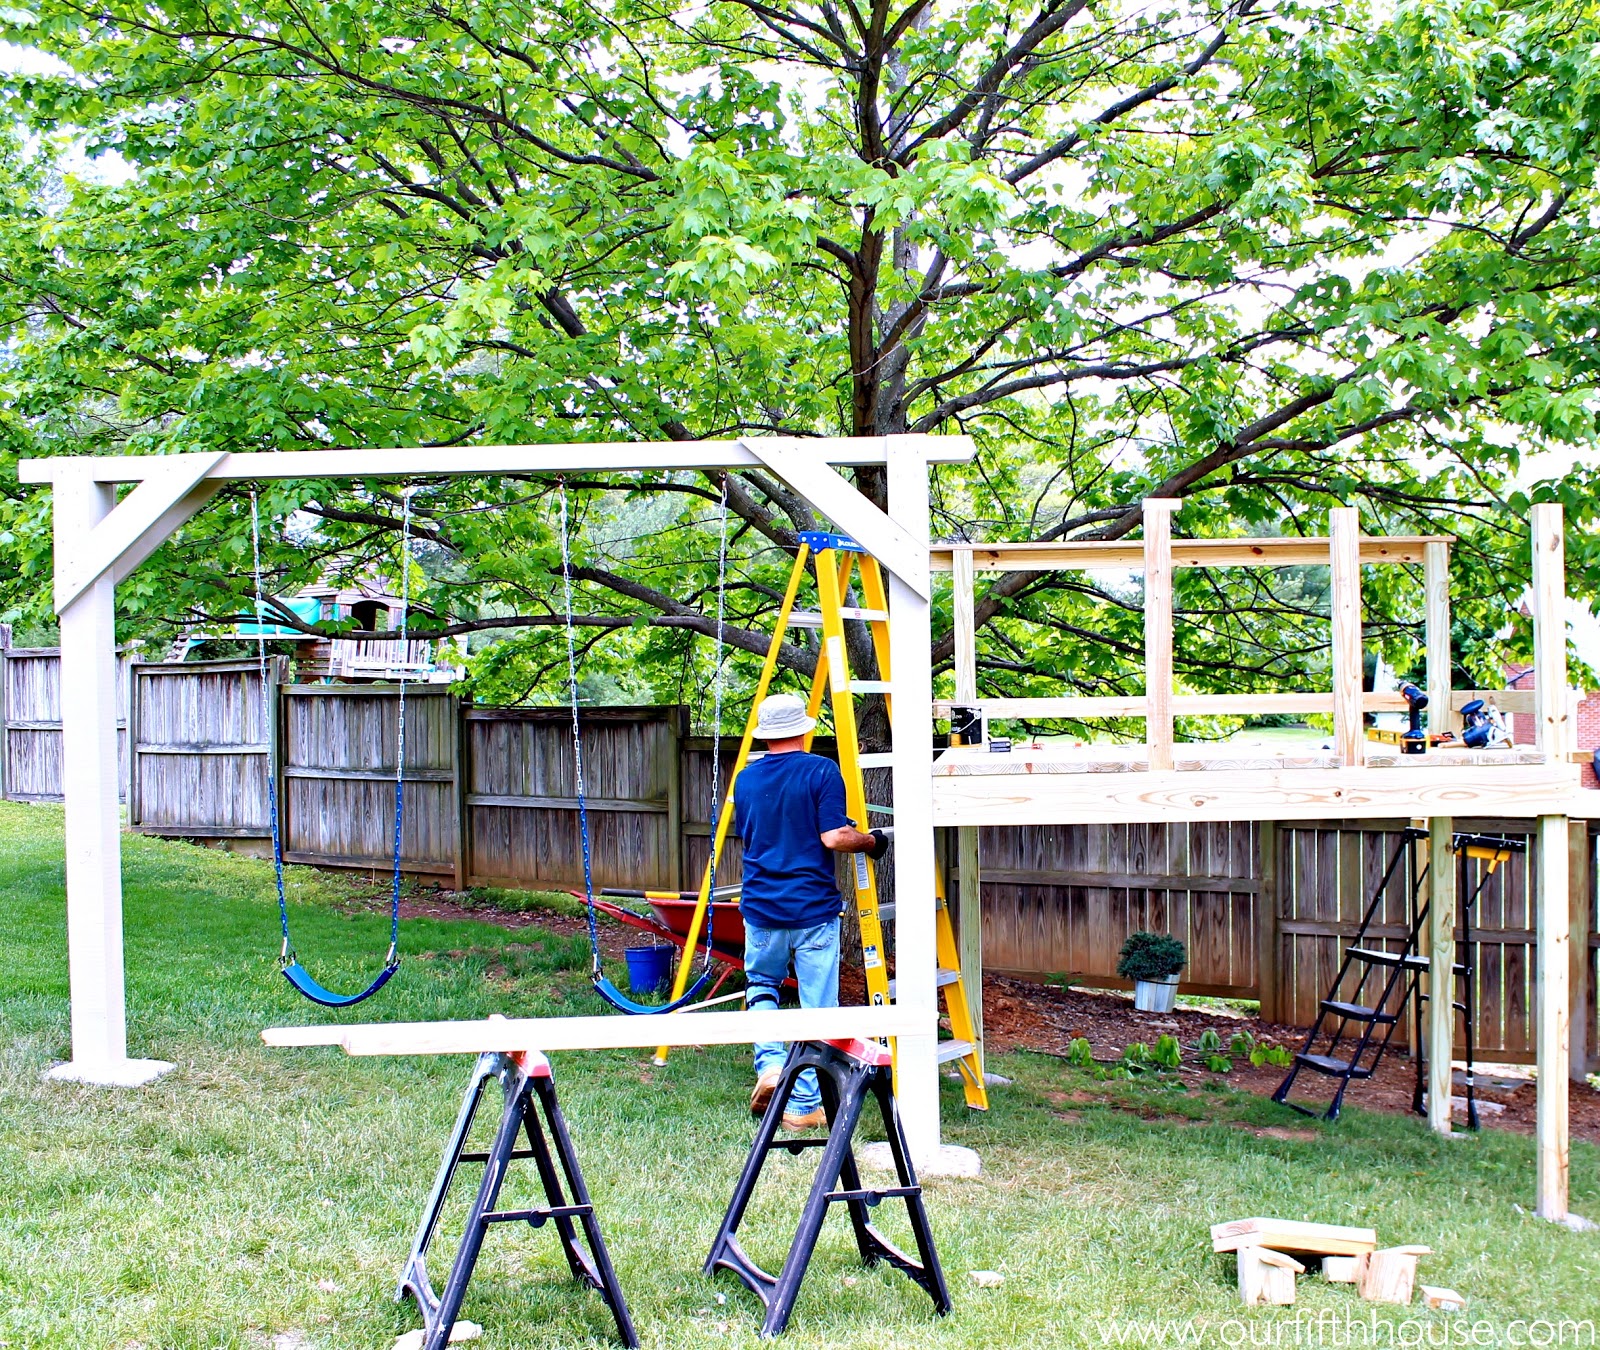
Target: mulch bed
(1021,1015)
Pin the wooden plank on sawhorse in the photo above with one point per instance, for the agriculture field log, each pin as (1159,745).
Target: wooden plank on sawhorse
(606,1033)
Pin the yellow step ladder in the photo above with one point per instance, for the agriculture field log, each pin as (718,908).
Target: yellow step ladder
(836,559)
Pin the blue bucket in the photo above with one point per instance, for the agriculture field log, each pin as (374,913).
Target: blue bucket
(649,969)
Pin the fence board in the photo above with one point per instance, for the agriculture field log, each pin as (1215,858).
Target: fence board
(520,785)
(202,751)
(338,755)
(30,724)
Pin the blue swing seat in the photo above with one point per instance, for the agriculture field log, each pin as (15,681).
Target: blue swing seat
(306,984)
(622,1003)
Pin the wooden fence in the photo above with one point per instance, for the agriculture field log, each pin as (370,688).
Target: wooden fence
(30,724)
(1264,910)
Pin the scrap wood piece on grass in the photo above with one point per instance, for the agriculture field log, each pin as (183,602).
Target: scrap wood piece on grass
(1266,1277)
(1444,1300)
(1339,1269)
(1293,1235)
(1389,1275)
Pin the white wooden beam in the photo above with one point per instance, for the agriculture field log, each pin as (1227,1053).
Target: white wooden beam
(600,1033)
(911,722)
(172,489)
(904,554)
(466,461)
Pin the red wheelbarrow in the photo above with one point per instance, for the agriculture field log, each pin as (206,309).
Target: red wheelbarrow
(669,919)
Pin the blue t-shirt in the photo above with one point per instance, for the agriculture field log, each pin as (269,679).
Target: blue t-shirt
(782,805)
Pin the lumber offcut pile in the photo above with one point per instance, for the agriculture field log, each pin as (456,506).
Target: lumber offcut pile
(1347,1255)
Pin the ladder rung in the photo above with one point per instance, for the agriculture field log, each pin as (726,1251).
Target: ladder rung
(804,618)
(1335,1068)
(886,912)
(871,687)
(943,978)
(949,1050)
(1355,1012)
(878,759)
(1409,960)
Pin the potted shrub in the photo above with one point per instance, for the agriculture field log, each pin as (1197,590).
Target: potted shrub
(1152,961)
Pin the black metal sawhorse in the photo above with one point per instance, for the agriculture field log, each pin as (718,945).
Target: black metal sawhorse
(847,1071)
(529,1090)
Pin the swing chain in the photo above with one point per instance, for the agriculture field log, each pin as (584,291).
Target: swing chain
(717,682)
(286,954)
(577,734)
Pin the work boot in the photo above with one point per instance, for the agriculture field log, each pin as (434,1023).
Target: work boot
(814,1119)
(765,1086)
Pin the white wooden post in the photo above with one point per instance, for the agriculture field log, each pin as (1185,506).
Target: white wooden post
(1553,922)
(910,658)
(89,784)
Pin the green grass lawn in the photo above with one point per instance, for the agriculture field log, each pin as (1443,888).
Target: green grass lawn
(259,1198)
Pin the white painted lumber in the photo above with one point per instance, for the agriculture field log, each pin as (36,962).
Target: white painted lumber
(1158,629)
(903,553)
(911,720)
(89,785)
(1344,543)
(1553,1019)
(547,1034)
(481,460)
(1436,633)
(1441,1014)
(139,524)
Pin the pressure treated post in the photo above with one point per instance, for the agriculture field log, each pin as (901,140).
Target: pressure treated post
(969,862)
(1441,971)
(911,726)
(1554,918)
(89,784)
(1344,531)
(1158,628)
(1267,905)
(1436,633)
(1578,893)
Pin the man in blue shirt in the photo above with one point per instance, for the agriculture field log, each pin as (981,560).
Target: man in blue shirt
(789,809)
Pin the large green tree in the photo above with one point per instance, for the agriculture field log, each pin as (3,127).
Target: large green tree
(1266,255)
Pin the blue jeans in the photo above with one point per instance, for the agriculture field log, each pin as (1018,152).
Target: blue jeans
(768,953)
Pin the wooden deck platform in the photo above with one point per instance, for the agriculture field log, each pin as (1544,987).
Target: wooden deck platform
(1044,783)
